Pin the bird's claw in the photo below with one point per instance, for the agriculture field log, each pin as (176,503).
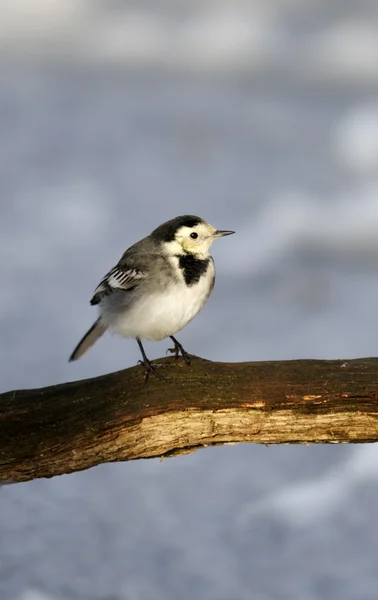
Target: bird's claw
(177,350)
(174,351)
(149,368)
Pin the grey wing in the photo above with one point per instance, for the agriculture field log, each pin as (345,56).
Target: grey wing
(118,278)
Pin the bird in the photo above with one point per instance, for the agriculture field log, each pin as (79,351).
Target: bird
(157,287)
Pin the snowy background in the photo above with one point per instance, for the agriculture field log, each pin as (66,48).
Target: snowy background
(261,116)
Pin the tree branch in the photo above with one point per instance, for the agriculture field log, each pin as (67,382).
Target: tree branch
(73,426)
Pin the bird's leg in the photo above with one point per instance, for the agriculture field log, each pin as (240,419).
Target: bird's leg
(178,349)
(149,367)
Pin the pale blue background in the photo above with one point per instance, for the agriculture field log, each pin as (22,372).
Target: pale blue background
(261,117)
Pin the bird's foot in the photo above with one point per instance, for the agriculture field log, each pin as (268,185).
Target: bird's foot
(149,368)
(177,350)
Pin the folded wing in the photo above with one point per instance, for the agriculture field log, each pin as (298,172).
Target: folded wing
(118,278)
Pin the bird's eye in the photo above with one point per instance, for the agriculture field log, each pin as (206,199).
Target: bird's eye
(194,235)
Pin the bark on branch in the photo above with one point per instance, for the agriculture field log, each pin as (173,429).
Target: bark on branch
(73,426)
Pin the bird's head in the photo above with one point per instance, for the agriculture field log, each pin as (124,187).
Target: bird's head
(188,234)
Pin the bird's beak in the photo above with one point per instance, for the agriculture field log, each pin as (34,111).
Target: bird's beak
(221,233)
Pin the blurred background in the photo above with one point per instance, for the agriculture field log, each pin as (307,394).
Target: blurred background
(261,116)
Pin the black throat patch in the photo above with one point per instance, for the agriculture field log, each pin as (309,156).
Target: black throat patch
(192,267)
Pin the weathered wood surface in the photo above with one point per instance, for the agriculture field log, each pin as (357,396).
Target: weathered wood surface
(73,426)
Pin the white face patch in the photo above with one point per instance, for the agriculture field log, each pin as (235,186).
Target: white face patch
(196,240)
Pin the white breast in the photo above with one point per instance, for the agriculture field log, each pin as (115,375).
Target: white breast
(155,316)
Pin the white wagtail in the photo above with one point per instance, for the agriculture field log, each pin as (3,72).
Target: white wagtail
(157,287)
